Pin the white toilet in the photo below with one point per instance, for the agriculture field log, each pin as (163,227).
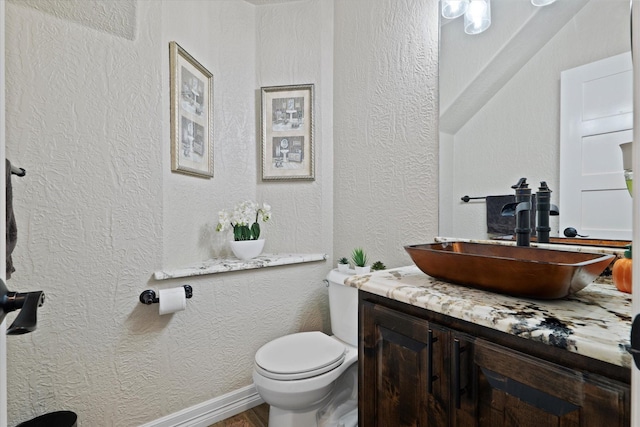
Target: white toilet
(296,374)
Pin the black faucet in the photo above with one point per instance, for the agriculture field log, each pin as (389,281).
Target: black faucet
(545,208)
(521,209)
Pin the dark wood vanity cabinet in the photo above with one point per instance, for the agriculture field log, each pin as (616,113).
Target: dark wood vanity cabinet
(415,371)
(400,368)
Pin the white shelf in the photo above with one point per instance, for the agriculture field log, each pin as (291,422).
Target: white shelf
(225,265)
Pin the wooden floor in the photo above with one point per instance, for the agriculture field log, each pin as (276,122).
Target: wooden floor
(255,417)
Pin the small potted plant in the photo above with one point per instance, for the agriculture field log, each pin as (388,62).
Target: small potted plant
(377,266)
(343,264)
(246,243)
(359,259)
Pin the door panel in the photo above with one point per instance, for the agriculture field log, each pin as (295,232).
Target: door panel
(602,160)
(517,389)
(612,222)
(404,380)
(464,388)
(608,95)
(596,117)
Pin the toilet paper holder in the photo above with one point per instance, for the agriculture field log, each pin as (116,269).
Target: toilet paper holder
(149,296)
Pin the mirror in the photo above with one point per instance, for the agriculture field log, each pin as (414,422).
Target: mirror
(500,99)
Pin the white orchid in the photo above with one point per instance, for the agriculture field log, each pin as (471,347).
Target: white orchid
(244,219)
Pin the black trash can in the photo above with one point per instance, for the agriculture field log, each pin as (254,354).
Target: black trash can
(53,419)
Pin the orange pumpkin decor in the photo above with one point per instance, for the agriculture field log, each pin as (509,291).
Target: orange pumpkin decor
(622,272)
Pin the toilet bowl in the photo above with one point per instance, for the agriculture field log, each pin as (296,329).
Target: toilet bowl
(296,374)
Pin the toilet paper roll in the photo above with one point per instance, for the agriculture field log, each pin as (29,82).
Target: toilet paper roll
(172,300)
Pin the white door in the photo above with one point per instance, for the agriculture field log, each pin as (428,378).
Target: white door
(3,342)
(596,116)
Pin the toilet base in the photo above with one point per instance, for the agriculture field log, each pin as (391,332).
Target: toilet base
(288,418)
(339,406)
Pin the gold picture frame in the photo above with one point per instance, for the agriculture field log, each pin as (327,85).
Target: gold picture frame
(191,114)
(287,133)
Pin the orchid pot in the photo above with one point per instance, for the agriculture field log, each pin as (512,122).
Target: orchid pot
(246,249)
(246,243)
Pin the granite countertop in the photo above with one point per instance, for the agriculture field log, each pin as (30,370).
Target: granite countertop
(595,322)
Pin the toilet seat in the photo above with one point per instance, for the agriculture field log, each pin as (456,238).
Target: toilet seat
(299,356)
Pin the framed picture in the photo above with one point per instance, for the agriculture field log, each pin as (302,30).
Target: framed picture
(191,114)
(287,133)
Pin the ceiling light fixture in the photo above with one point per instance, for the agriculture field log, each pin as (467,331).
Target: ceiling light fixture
(477,18)
(542,2)
(451,9)
(477,13)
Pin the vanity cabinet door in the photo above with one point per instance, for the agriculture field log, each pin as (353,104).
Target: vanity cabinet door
(404,370)
(514,389)
(463,403)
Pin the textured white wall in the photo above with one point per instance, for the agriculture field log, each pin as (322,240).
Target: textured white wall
(517,133)
(81,105)
(295,46)
(385,137)
(98,211)
(221,37)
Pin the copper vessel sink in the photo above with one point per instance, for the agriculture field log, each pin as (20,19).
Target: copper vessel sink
(513,270)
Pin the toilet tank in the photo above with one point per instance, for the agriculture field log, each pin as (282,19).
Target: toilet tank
(343,308)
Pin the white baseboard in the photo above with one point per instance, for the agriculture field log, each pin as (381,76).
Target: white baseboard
(206,413)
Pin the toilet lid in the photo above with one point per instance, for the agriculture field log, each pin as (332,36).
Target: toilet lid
(300,355)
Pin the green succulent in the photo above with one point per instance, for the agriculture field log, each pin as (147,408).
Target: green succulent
(359,257)
(378,265)
(343,260)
